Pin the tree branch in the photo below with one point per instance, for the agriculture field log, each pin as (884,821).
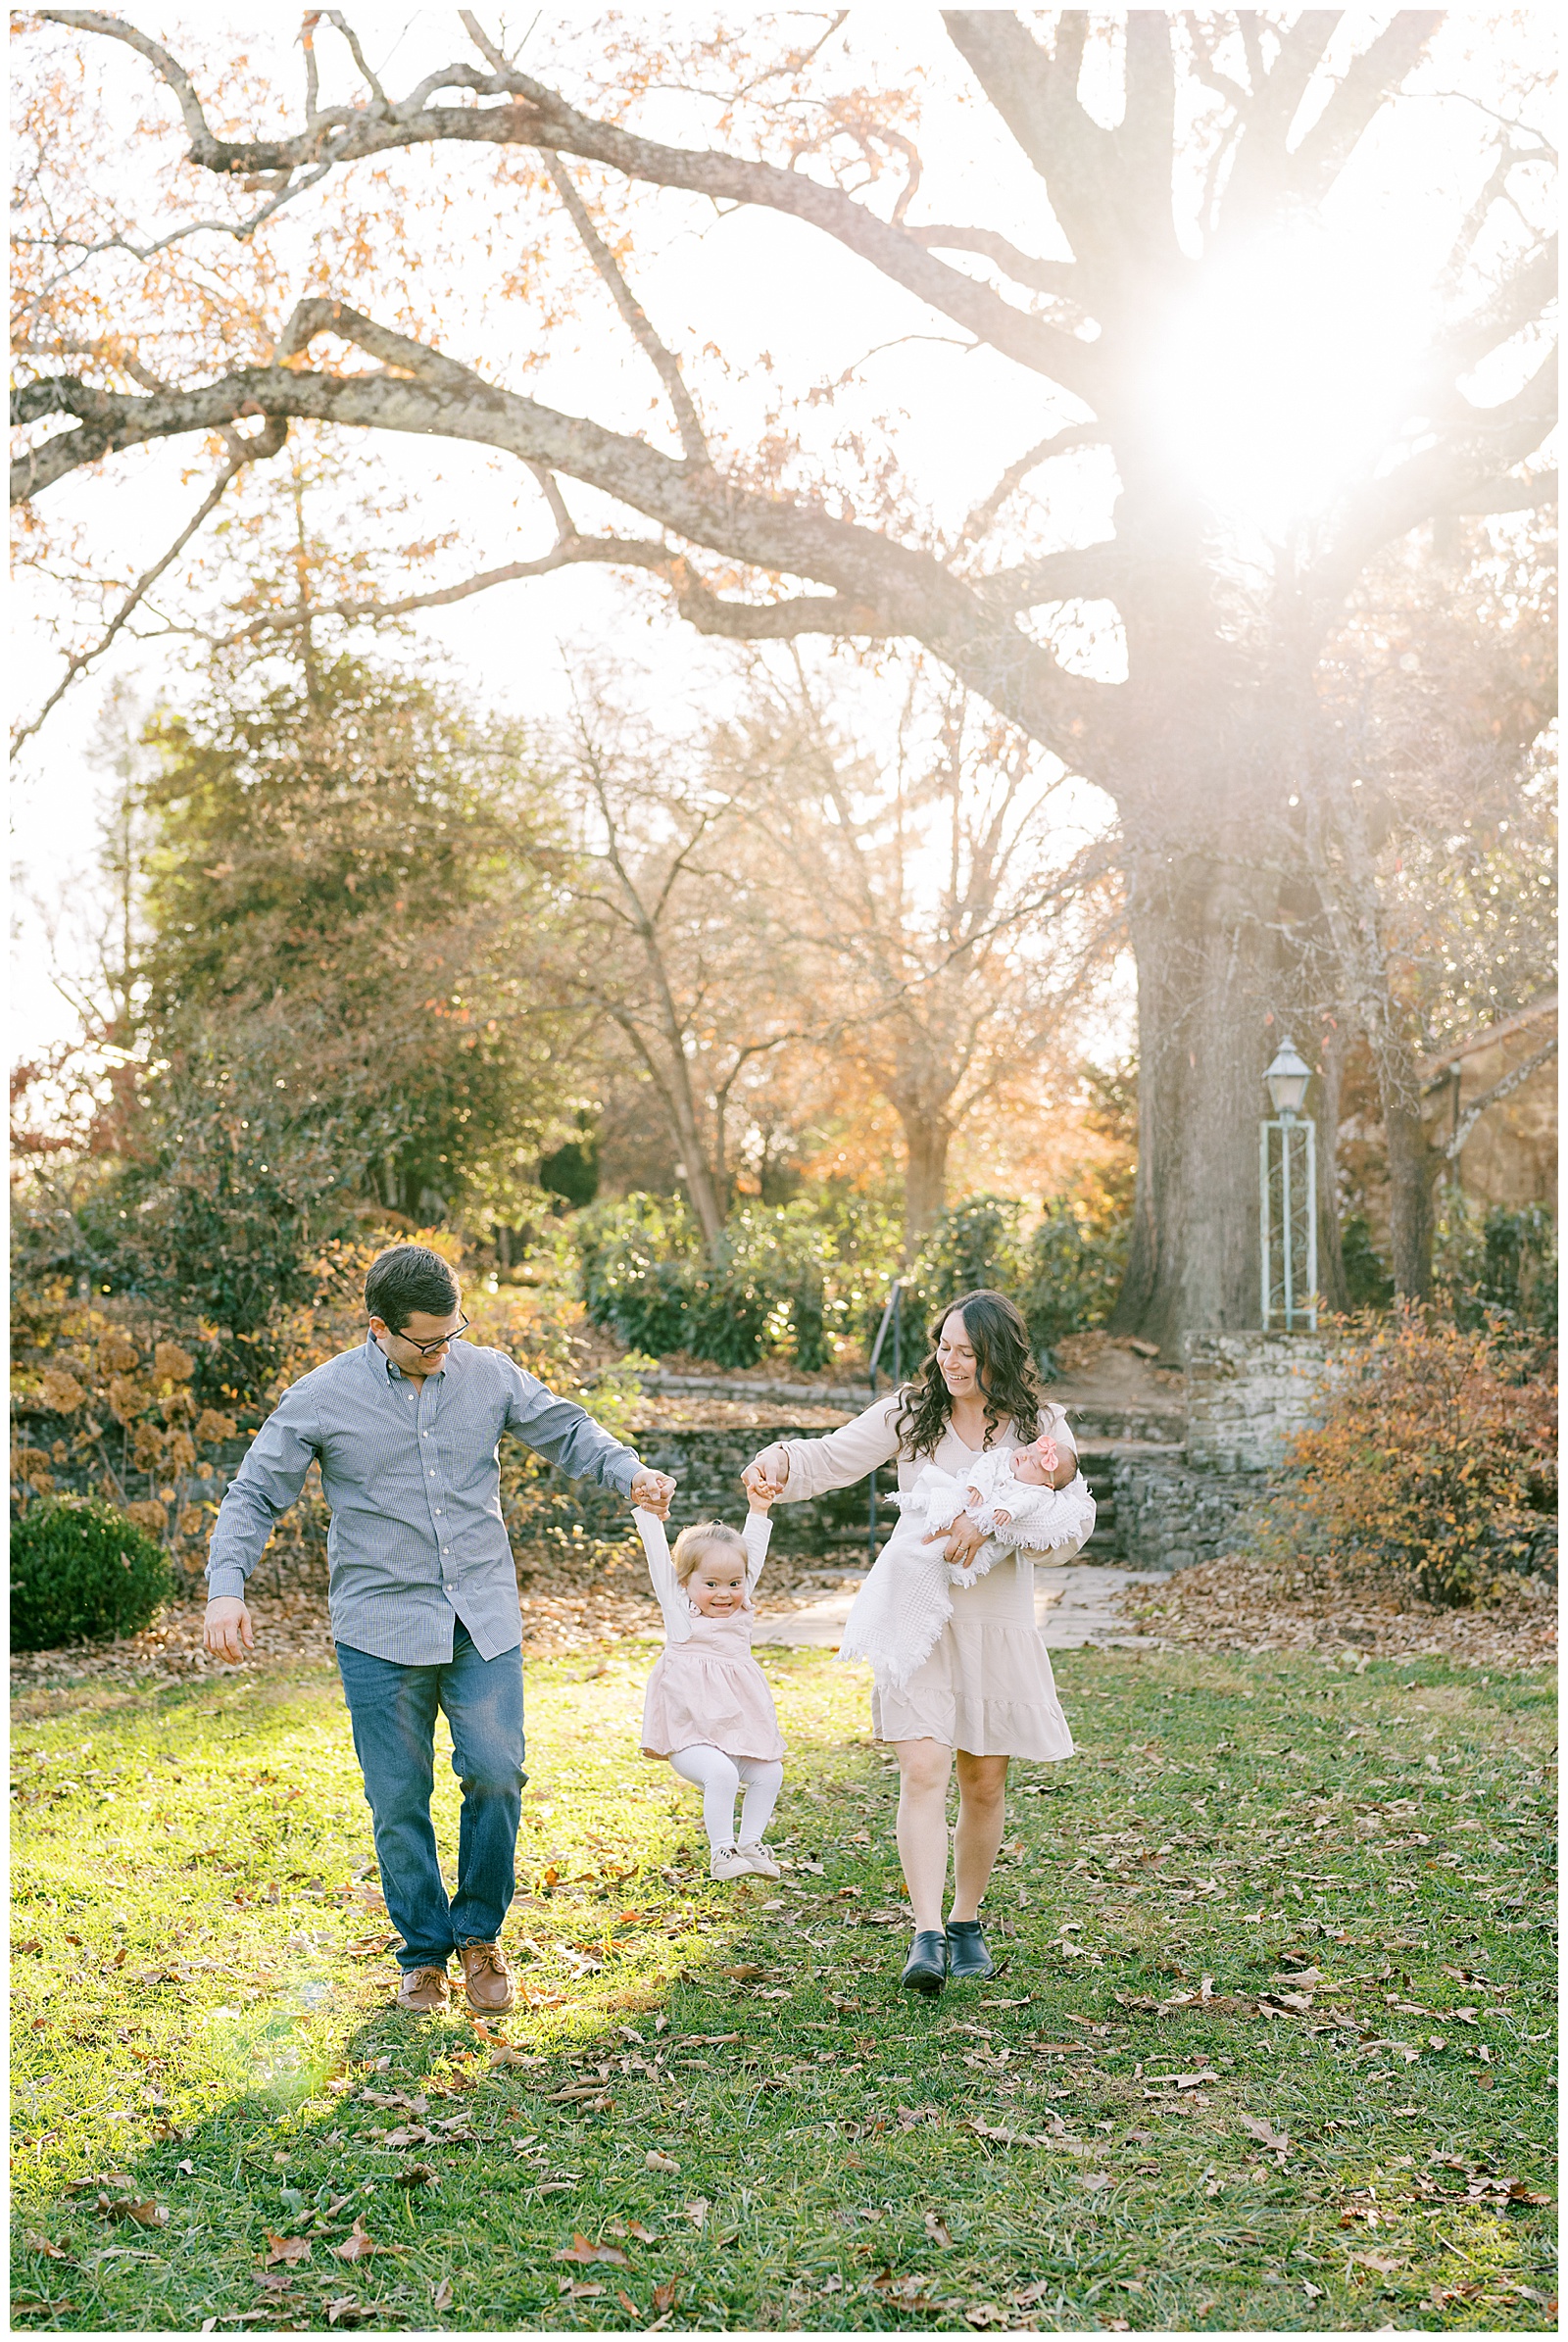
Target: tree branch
(1059,443)
(665,363)
(1521,1073)
(267,442)
(1483,444)
(1056,278)
(878,586)
(1371,77)
(539,117)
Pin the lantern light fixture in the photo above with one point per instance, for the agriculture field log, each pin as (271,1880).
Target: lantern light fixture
(1287,1080)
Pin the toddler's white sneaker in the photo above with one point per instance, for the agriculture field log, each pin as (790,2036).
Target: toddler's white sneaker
(757,1857)
(729,1862)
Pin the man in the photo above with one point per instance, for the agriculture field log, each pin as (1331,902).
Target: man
(422,1590)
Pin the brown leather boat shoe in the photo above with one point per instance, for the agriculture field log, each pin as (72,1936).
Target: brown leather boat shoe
(425,1990)
(486,1979)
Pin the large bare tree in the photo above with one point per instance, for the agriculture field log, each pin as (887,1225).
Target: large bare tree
(948,924)
(1161,150)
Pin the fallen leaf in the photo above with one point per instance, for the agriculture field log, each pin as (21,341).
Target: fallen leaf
(696,2212)
(143,2211)
(1264,2132)
(356,2245)
(664,2297)
(577,2290)
(441,2299)
(581,2251)
(1383,2262)
(659,2163)
(366,1947)
(1094,2180)
(642,2234)
(42,2244)
(747,1972)
(936,2227)
(417,2174)
(287,2248)
(627,2304)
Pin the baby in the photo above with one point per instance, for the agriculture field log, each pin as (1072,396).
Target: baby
(708,1707)
(907,1600)
(1011,1493)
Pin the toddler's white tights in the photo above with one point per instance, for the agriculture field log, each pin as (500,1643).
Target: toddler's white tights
(719,1776)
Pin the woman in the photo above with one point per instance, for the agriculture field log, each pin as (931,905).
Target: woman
(986,1692)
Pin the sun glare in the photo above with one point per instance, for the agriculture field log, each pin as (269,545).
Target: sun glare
(1286,376)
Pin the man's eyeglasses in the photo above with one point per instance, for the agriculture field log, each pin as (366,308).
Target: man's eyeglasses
(427,1350)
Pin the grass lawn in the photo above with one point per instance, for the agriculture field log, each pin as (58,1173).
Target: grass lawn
(217,2116)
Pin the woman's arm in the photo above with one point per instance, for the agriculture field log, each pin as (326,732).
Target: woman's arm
(803,1468)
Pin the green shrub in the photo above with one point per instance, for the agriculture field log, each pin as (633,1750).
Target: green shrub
(1065,1276)
(1435,1460)
(1500,1263)
(790,1281)
(1368,1281)
(973,1246)
(80,1569)
(1073,1273)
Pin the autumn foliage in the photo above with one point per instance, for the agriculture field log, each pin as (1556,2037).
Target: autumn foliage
(1435,1461)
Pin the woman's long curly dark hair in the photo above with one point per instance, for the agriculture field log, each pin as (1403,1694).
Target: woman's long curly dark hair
(1004,1371)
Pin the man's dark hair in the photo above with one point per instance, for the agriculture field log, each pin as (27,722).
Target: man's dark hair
(409,1277)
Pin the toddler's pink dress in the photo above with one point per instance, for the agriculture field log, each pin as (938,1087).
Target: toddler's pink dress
(707,1690)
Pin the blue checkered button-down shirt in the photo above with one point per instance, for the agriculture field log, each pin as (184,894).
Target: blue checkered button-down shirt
(411,1471)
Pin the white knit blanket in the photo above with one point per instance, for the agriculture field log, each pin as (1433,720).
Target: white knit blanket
(906,1599)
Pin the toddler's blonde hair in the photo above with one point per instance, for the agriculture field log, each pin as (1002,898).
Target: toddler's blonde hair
(694,1541)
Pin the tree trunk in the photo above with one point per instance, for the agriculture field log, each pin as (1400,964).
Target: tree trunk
(1205,936)
(926,1141)
(1412,1165)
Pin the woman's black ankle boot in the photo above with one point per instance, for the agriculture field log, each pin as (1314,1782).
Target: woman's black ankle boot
(967,1956)
(926,1968)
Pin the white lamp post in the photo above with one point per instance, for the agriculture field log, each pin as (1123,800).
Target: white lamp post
(1287,1195)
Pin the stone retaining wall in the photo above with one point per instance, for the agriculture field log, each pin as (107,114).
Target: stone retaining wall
(1248,1395)
(1171,1515)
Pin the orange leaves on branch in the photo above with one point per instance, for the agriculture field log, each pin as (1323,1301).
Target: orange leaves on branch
(1436,1459)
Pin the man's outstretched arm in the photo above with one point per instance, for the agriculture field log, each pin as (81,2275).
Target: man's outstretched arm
(566,1435)
(265,1484)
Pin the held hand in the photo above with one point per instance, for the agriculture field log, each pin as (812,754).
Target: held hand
(229,1625)
(650,1492)
(761,1485)
(963,1541)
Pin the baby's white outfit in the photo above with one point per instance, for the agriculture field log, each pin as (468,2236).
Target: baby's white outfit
(907,1600)
(1016,1516)
(708,1707)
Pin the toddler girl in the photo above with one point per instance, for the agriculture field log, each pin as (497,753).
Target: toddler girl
(708,1707)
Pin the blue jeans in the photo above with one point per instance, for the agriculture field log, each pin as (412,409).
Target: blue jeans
(393,1712)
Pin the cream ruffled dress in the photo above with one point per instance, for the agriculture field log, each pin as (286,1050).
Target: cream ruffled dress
(987,1685)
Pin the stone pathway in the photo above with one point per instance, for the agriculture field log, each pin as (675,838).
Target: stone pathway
(1072,1607)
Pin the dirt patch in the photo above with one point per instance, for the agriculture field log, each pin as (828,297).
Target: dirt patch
(1232,1604)
(674,1412)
